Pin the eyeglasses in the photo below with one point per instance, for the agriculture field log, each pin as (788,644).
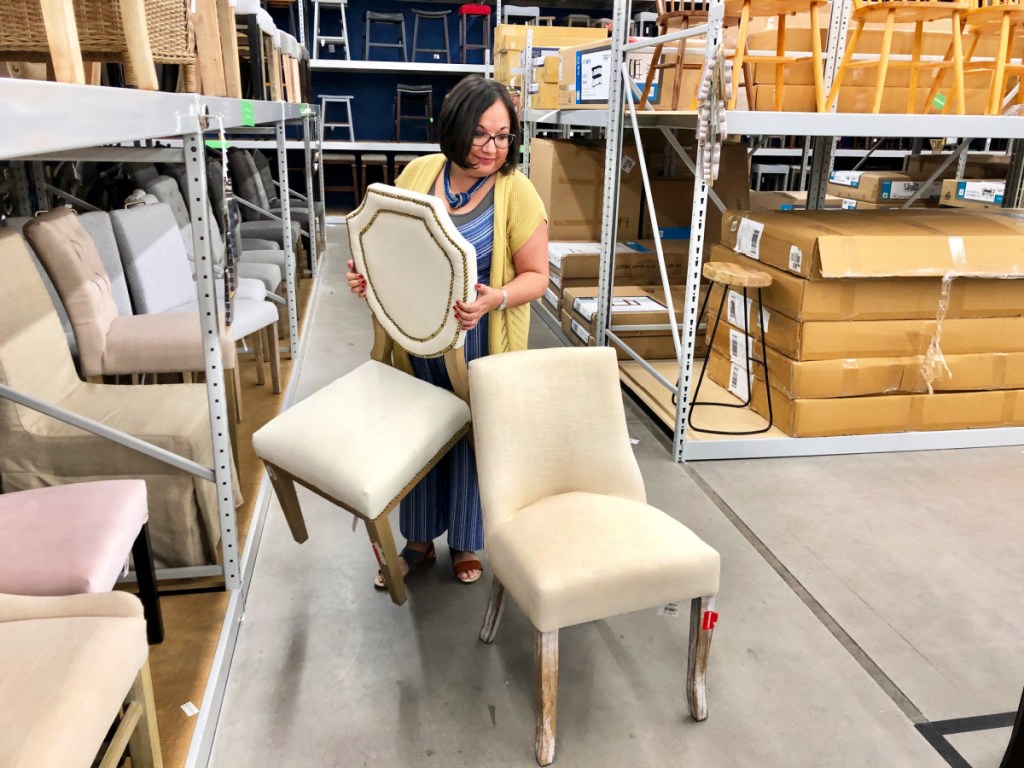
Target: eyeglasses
(501,141)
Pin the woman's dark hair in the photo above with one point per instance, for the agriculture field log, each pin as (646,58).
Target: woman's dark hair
(460,115)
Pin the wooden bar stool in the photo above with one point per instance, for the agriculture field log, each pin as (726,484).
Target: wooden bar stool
(527,13)
(577,20)
(374,160)
(415,96)
(992,18)
(916,12)
(327,124)
(465,13)
(730,277)
(401,161)
(343,158)
(441,16)
(392,19)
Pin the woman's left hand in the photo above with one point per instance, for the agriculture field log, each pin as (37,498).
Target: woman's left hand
(469,314)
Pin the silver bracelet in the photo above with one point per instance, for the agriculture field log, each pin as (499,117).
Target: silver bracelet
(504,300)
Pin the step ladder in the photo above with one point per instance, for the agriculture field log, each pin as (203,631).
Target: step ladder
(329,40)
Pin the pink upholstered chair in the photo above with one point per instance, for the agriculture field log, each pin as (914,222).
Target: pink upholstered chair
(72,667)
(71,539)
(39,451)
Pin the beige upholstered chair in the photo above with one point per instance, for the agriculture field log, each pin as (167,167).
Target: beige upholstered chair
(568,531)
(70,664)
(37,451)
(363,441)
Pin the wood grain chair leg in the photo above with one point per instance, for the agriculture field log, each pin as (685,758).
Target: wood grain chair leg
(651,72)
(741,48)
(947,61)
(275,74)
(851,48)
(958,65)
(546,665)
(62,40)
(883,61)
(780,67)
(816,60)
(275,359)
(284,487)
(208,48)
(495,609)
(996,90)
(383,542)
(144,743)
(702,624)
(257,356)
(915,68)
(136,38)
(229,49)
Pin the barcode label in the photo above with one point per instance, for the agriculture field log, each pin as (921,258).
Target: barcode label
(849,205)
(748,238)
(736,312)
(556,280)
(845,178)
(981,191)
(582,333)
(739,383)
(904,190)
(552,298)
(796,259)
(628,163)
(738,350)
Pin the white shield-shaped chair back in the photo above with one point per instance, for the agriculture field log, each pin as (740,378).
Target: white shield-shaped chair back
(416,266)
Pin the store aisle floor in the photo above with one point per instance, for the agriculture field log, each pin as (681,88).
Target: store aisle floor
(863,600)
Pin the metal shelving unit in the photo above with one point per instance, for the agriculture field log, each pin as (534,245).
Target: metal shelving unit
(823,128)
(415,67)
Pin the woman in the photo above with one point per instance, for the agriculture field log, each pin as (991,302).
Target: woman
(495,208)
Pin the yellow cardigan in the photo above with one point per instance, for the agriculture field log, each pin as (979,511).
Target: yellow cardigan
(518,211)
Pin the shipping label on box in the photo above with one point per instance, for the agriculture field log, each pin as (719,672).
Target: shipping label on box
(587,307)
(981,191)
(588,71)
(845,178)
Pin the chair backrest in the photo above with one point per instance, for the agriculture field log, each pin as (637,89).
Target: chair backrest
(18,223)
(177,172)
(246,182)
(165,189)
(549,421)
(416,265)
(143,173)
(76,269)
(97,224)
(214,174)
(266,175)
(155,262)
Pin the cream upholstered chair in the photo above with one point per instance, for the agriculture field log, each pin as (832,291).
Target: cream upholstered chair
(38,451)
(363,441)
(555,465)
(70,665)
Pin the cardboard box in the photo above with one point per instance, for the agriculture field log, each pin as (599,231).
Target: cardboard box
(569,177)
(860,205)
(548,72)
(635,262)
(962,193)
(912,243)
(814,340)
(856,377)
(559,283)
(544,96)
(512,37)
(784,200)
(891,298)
(586,70)
(649,347)
(979,166)
(552,300)
(878,186)
(631,305)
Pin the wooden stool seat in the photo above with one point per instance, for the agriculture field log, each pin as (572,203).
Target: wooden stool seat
(374,160)
(736,275)
(910,11)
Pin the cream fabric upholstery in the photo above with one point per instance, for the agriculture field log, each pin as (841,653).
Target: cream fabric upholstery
(362,438)
(68,665)
(97,224)
(412,298)
(37,451)
(568,532)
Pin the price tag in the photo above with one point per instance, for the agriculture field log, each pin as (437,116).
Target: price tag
(248,113)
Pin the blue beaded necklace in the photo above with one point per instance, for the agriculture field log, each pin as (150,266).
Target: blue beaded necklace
(458,199)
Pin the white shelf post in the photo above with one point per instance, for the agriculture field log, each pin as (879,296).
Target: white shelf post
(289,246)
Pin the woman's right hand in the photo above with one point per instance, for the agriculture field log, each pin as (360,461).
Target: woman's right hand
(356,282)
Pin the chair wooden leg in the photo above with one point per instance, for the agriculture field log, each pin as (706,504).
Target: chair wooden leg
(651,72)
(702,623)
(383,542)
(939,77)
(915,69)
(275,358)
(229,49)
(819,74)
(257,356)
(495,609)
(995,100)
(62,40)
(546,664)
(284,487)
(958,65)
(145,574)
(741,47)
(208,47)
(136,37)
(883,61)
(275,74)
(144,744)
(780,68)
(851,48)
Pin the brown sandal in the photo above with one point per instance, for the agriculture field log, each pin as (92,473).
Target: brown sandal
(471,564)
(416,561)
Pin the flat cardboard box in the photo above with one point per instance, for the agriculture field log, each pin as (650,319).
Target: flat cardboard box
(979,166)
(552,299)
(556,281)
(858,376)
(874,414)
(569,177)
(878,186)
(892,298)
(636,262)
(544,96)
(512,37)
(785,200)
(911,243)
(586,70)
(860,205)
(649,347)
(631,305)
(973,193)
(820,340)
(548,72)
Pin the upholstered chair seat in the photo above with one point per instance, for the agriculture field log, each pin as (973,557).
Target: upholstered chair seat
(70,665)
(363,441)
(568,530)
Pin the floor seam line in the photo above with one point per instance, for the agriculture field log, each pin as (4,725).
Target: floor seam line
(886,683)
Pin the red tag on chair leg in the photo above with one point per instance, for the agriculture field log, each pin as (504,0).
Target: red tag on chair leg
(708,622)
(380,555)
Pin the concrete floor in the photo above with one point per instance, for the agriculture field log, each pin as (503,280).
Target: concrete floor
(865,601)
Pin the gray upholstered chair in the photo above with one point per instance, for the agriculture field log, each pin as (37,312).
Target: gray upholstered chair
(531,409)
(266,229)
(363,441)
(72,665)
(39,451)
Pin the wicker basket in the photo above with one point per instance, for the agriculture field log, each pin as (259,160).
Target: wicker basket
(100,34)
